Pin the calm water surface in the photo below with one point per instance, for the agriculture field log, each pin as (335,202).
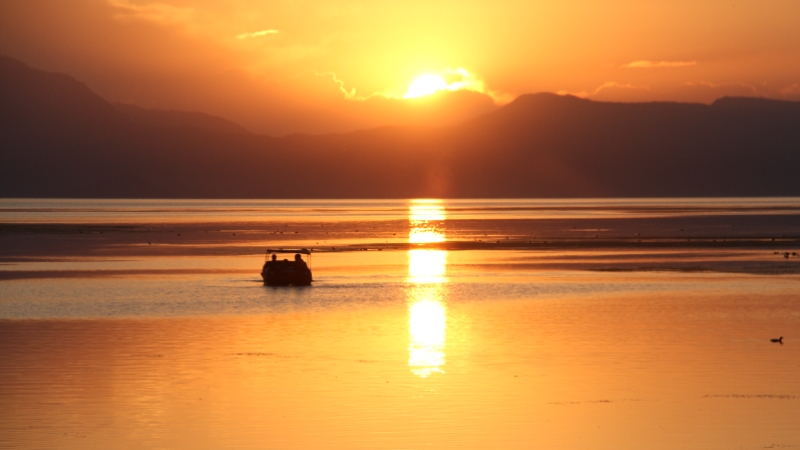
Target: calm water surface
(419,347)
(127,211)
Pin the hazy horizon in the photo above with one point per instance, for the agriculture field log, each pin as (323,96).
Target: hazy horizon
(66,141)
(432,109)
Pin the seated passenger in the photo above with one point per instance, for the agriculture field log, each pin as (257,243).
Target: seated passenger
(270,263)
(299,260)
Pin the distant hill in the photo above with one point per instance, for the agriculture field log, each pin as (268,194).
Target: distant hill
(61,140)
(555,146)
(164,118)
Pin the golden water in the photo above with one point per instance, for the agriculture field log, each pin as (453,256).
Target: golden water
(405,349)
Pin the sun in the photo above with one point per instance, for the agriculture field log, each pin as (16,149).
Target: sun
(426,85)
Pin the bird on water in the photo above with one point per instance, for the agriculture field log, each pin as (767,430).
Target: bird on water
(779,340)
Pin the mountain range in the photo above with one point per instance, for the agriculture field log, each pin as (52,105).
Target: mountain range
(59,139)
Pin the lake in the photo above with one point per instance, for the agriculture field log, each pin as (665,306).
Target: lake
(512,324)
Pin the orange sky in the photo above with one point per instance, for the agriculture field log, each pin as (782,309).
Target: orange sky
(285,66)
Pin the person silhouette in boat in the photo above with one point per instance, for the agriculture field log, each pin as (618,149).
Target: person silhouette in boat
(298,260)
(270,263)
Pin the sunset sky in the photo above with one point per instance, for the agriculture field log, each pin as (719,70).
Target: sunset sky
(286,66)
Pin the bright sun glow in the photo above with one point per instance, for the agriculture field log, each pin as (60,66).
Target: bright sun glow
(426,85)
(446,80)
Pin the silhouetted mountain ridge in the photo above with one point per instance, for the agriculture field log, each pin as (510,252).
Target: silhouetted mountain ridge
(61,140)
(55,100)
(164,118)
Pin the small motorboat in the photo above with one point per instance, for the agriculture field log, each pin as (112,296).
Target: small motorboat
(285,272)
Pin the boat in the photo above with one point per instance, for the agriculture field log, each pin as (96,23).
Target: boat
(286,272)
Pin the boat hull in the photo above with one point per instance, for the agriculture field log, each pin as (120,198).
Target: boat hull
(286,276)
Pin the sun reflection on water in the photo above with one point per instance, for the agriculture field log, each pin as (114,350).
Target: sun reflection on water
(426,218)
(427,270)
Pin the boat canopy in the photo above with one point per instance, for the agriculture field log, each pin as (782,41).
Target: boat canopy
(304,251)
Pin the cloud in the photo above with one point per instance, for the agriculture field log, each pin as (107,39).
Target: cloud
(645,64)
(614,92)
(707,92)
(161,13)
(320,85)
(442,108)
(610,89)
(793,90)
(256,34)
(460,79)
(691,92)
(321,102)
(351,94)
(613,85)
